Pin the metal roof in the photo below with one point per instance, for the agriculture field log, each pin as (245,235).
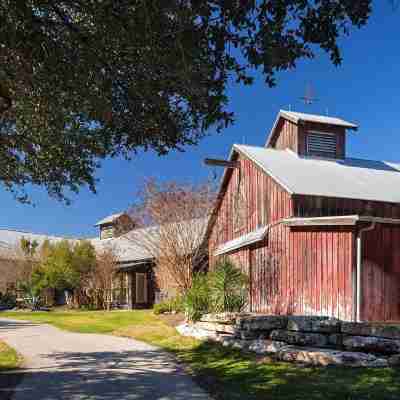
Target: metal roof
(297,117)
(127,247)
(349,178)
(10,241)
(321,119)
(108,220)
(242,241)
(131,247)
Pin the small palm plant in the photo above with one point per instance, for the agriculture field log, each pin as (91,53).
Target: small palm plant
(228,288)
(197,298)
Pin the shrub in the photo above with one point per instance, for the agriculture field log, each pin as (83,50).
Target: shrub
(170,305)
(228,288)
(7,300)
(196,300)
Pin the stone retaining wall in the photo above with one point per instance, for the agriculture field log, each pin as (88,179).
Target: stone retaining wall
(310,340)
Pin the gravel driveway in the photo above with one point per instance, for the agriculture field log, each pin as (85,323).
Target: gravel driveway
(65,365)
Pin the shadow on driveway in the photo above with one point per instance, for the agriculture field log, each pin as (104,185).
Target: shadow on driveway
(65,365)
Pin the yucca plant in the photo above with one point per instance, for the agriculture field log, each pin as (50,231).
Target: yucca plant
(196,301)
(228,288)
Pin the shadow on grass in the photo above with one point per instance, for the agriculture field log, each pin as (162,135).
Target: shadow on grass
(231,374)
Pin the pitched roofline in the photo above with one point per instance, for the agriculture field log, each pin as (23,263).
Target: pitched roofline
(290,117)
(242,241)
(278,181)
(236,150)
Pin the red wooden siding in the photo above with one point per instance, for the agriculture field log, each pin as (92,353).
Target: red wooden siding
(285,136)
(264,202)
(314,206)
(381,274)
(289,135)
(304,272)
(307,270)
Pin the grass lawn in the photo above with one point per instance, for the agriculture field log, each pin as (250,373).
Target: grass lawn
(9,358)
(227,373)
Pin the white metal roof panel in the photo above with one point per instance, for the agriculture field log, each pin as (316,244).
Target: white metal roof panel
(10,241)
(349,178)
(128,247)
(321,119)
(242,241)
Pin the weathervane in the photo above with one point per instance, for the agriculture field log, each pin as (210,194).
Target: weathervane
(309,95)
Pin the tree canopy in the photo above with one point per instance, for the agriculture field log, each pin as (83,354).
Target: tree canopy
(85,79)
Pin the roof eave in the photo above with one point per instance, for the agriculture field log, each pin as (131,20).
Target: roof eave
(346,220)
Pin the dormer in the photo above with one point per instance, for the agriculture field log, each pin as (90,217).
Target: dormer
(115,225)
(310,135)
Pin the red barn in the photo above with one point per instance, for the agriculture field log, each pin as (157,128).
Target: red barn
(317,233)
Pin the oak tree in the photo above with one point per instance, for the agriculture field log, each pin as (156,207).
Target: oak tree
(81,80)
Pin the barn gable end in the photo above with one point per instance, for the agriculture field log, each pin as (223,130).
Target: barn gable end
(316,232)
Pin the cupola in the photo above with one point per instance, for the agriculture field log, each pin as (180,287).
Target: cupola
(310,135)
(115,225)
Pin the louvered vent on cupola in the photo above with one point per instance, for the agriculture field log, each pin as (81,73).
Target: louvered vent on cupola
(321,144)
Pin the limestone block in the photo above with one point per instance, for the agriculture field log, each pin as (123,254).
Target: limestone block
(300,338)
(371,344)
(266,346)
(216,327)
(262,322)
(367,329)
(325,357)
(313,324)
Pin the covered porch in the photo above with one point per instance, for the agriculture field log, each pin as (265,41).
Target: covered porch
(133,285)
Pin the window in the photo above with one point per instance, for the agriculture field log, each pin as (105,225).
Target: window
(321,144)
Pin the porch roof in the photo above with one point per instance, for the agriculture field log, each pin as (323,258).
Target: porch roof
(242,241)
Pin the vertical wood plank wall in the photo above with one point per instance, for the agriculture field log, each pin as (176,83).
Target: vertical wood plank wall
(289,135)
(292,271)
(266,202)
(381,274)
(286,136)
(309,270)
(304,272)
(314,206)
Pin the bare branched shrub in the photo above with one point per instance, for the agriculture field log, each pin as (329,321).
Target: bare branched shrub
(173,220)
(100,283)
(16,264)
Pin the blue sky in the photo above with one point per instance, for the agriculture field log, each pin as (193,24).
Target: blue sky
(365,89)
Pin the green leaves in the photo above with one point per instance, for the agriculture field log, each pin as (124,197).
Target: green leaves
(196,300)
(222,290)
(83,80)
(228,288)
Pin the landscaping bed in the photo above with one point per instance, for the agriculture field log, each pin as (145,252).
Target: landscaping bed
(226,372)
